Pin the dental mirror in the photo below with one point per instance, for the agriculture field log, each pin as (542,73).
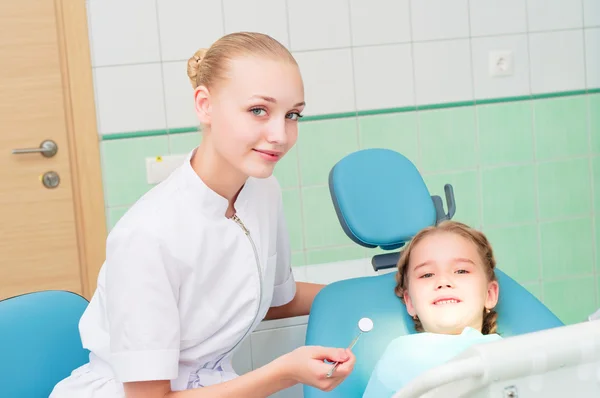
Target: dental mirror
(365,325)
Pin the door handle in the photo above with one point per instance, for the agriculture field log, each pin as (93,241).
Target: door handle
(47,148)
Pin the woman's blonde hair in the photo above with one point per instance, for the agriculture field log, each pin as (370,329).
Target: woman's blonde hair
(207,66)
(484,248)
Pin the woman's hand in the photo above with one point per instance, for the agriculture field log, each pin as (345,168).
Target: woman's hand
(306,365)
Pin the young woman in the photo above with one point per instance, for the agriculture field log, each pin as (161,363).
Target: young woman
(201,259)
(446,279)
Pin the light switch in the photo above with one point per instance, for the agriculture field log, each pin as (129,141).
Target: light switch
(160,167)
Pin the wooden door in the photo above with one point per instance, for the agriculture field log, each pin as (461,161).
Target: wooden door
(44,240)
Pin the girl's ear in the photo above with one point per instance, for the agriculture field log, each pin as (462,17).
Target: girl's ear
(202,101)
(409,305)
(492,295)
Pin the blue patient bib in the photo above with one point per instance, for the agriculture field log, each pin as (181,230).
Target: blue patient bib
(408,356)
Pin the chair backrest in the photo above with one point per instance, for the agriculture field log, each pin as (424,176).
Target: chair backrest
(39,342)
(381,200)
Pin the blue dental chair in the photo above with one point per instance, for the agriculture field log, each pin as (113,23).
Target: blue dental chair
(382,201)
(39,342)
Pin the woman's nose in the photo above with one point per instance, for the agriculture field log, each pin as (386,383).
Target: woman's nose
(276,133)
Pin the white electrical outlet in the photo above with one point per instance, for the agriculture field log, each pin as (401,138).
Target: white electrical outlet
(501,63)
(160,167)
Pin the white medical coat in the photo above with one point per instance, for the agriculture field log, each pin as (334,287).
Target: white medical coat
(182,286)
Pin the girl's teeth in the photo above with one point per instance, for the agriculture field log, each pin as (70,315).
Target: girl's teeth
(446,302)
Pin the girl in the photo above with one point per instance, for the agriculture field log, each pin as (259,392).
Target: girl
(446,279)
(201,259)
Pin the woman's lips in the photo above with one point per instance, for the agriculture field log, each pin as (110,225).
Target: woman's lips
(271,156)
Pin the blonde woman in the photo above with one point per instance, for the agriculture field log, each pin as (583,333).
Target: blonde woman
(198,262)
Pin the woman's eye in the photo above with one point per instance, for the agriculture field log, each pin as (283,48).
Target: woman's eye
(428,275)
(257,111)
(294,116)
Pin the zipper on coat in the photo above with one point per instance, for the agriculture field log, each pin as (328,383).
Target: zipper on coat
(239,222)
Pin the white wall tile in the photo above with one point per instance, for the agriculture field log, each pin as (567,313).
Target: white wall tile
(329,27)
(116,38)
(383,76)
(333,272)
(264,16)
(299,273)
(443,72)
(591,12)
(188,25)
(179,95)
(544,15)
(557,62)
(439,19)
(328,83)
(130,98)
(486,86)
(380,22)
(497,17)
(592,57)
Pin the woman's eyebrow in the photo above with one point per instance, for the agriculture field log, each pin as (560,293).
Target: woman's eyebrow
(274,101)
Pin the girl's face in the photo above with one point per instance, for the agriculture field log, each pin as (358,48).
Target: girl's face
(447,284)
(251,117)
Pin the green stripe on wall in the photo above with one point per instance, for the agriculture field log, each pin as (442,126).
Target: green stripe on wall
(153,133)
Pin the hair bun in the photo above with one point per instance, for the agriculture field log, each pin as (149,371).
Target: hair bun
(193,66)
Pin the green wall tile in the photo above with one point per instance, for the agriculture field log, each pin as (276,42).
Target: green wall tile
(516,251)
(293,215)
(393,131)
(508,195)
(560,127)
(298,259)
(597,231)
(447,139)
(466,194)
(596,175)
(564,188)
(124,167)
(572,300)
(322,227)
(505,133)
(594,115)
(114,215)
(322,144)
(286,170)
(330,255)
(184,143)
(567,248)
(534,288)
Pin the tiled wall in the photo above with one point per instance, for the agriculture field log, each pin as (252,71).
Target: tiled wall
(522,152)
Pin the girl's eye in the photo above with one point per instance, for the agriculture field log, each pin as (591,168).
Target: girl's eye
(462,271)
(294,116)
(257,111)
(428,275)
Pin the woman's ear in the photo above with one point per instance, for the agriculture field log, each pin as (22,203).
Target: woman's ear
(202,101)
(492,295)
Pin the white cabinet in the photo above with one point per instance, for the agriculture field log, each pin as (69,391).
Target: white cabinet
(270,340)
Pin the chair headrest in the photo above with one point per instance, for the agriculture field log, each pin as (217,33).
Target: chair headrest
(381,199)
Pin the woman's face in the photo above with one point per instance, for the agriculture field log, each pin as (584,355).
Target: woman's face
(252,116)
